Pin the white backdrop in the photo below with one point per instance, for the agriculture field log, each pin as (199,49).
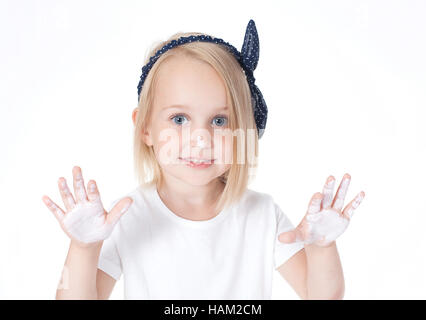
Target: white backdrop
(344,82)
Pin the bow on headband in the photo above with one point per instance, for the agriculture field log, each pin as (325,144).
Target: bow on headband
(248,59)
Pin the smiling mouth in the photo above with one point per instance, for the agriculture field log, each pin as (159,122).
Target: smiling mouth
(198,161)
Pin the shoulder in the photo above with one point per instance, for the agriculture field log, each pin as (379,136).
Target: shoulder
(253,197)
(253,200)
(262,201)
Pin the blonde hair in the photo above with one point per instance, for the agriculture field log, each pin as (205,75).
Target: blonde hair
(239,175)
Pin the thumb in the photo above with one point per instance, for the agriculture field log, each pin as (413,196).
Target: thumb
(118,210)
(290,236)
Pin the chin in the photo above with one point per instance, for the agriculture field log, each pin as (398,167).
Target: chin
(194,177)
(197,180)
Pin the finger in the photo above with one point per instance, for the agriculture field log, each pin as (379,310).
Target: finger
(57,211)
(341,192)
(119,209)
(350,208)
(66,194)
(291,236)
(328,191)
(315,203)
(93,192)
(79,189)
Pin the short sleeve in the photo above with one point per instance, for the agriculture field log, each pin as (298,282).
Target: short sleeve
(283,251)
(109,259)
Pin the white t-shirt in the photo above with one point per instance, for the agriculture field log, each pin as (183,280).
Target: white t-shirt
(164,256)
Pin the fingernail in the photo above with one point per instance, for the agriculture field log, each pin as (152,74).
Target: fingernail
(92,187)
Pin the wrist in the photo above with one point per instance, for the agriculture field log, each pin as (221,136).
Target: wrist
(314,246)
(92,246)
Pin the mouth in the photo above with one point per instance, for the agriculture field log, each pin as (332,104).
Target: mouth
(195,162)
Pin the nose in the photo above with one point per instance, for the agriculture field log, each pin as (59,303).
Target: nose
(200,142)
(199,145)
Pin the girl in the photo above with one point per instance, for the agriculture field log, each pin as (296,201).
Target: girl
(192,228)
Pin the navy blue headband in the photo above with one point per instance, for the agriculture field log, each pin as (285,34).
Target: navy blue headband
(248,59)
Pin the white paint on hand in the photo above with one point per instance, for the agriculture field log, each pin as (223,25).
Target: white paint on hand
(86,222)
(324,223)
(325,226)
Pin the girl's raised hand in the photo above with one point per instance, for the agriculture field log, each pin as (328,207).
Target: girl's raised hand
(85,220)
(324,221)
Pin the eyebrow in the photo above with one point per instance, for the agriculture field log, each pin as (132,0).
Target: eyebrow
(187,107)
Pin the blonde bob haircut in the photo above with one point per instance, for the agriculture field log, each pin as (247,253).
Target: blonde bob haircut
(241,118)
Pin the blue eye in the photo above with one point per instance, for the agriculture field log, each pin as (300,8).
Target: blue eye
(223,121)
(178,119)
(178,116)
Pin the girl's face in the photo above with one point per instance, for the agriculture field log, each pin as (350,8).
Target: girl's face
(190,120)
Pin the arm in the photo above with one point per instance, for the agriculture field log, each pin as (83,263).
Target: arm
(87,224)
(315,273)
(81,278)
(325,274)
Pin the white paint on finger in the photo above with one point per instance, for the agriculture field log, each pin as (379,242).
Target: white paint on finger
(92,187)
(315,205)
(81,195)
(68,196)
(54,208)
(340,198)
(355,205)
(328,193)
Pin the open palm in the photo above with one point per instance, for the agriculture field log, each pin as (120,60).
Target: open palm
(85,219)
(325,221)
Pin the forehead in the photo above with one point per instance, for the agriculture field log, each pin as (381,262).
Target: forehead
(187,81)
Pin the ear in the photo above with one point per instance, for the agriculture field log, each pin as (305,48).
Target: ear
(134,115)
(146,132)
(147,138)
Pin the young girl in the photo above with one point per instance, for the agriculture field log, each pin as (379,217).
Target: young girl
(193,229)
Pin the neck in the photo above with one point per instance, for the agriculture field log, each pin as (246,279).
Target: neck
(180,196)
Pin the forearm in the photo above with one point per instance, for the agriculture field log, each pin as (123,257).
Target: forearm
(79,273)
(324,279)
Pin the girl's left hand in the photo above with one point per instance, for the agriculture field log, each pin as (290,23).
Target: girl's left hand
(324,221)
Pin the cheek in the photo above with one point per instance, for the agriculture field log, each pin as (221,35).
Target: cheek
(166,144)
(223,149)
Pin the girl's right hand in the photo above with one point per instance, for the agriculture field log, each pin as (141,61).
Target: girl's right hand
(85,220)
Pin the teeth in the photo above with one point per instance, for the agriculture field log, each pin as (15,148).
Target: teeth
(199,161)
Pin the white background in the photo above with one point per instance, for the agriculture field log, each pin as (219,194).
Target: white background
(344,82)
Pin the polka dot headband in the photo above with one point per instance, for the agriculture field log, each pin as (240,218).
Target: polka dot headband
(248,58)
